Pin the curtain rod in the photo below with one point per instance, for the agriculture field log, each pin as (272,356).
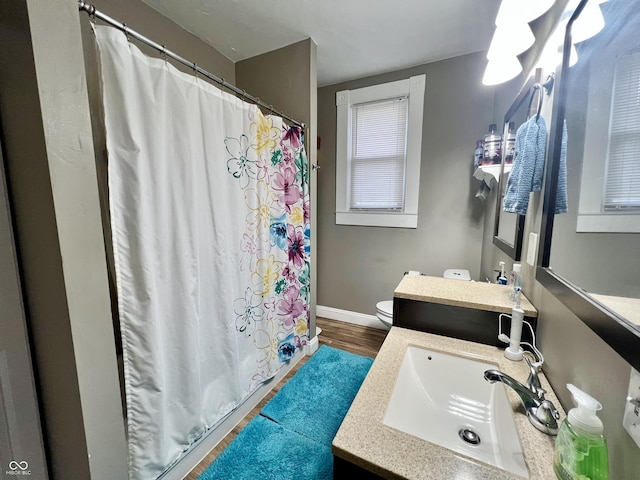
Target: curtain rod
(93,13)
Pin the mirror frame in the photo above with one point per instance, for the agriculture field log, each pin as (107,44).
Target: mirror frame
(614,329)
(514,251)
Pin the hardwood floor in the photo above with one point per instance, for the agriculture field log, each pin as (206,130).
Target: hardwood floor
(345,336)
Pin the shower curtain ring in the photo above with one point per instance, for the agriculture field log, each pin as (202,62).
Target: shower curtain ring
(92,18)
(195,69)
(163,53)
(126,31)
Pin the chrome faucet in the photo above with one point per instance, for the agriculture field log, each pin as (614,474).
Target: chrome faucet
(541,412)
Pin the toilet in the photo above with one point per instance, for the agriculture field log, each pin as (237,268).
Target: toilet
(384,309)
(384,312)
(457,274)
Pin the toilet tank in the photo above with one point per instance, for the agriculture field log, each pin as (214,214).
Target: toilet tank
(457,274)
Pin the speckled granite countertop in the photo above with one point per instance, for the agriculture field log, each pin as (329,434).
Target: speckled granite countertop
(627,307)
(479,295)
(363,439)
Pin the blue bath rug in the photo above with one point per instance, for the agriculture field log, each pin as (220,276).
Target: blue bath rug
(315,401)
(265,450)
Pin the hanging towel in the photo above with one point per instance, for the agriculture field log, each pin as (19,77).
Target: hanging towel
(528,165)
(561,192)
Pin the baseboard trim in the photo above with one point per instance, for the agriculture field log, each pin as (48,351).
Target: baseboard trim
(208,442)
(349,317)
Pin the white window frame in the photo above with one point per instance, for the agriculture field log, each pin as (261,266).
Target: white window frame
(413,88)
(592,217)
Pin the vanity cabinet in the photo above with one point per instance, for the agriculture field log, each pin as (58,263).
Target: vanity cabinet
(457,309)
(344,470)
(367,447)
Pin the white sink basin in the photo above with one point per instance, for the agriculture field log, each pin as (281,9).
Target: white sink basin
(438,395)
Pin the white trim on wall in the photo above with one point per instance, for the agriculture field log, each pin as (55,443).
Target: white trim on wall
(349,317)
(414,89)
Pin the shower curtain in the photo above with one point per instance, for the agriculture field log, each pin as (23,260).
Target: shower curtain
(210,227)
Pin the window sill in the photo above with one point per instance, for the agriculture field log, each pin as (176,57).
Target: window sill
(608,223)
(375,219)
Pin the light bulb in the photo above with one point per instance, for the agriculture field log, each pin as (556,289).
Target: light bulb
(510,39)
(500,70)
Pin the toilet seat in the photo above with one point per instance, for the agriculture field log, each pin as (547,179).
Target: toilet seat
(384,312)
(385,308)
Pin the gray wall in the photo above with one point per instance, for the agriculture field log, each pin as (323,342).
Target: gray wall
(20,428)
(52,181)
(359,266)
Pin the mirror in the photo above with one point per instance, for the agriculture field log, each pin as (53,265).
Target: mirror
(592,252)
(509,227)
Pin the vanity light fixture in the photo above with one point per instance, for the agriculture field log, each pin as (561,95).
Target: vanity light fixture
(512,36)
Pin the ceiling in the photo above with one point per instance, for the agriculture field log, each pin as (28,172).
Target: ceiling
(355,38)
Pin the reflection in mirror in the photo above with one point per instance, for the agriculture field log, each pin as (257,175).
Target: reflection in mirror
(509,227)
(590,260)
(596,245)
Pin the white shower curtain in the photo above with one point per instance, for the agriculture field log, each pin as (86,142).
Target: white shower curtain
(210,225)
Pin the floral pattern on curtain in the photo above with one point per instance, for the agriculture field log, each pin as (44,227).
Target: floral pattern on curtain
(271,170)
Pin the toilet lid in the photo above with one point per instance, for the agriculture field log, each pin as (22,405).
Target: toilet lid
(385,307)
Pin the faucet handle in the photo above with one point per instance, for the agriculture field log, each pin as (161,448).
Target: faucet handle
(533,382)
(545,417)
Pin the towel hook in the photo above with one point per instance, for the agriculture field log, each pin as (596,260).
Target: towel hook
(548,84)
(540,97)
(536,88)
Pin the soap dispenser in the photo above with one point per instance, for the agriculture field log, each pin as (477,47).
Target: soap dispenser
(581,449)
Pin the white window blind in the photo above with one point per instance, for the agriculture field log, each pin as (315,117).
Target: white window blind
(378,154)
(622,184)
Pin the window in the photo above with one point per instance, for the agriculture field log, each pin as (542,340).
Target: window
(610,190)
(378,143)
(622,183)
